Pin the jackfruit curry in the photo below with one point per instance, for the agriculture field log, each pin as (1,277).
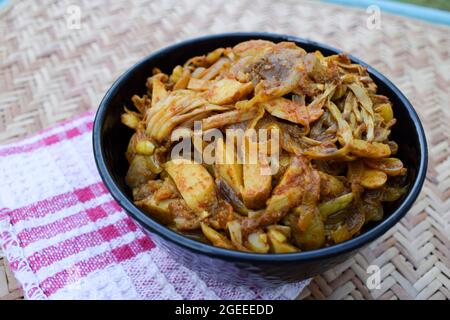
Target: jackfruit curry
(336,163)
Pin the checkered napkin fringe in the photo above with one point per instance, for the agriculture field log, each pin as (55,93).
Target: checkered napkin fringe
(66,238)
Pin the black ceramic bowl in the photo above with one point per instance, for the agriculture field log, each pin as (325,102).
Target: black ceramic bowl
(110,139)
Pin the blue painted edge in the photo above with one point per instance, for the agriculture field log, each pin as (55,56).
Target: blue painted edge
(5,5)
(404,9)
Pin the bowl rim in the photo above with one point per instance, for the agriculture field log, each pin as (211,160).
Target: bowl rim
(155,227)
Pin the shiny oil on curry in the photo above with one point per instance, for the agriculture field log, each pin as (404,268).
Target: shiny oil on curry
(337,163)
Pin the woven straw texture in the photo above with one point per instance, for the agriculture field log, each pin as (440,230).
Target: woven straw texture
(50,72)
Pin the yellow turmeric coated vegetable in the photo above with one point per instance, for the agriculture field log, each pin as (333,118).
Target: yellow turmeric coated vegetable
(227,166)
(145,147)
(194,183)
(335,205)
(257,184)
(258,242)
(216,238)
(279,242)
(373,179)
(325,169)
(390,166)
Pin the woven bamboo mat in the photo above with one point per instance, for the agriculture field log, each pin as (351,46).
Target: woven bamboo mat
(50,72)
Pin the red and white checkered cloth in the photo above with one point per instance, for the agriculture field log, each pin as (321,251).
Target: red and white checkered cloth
(66,238)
